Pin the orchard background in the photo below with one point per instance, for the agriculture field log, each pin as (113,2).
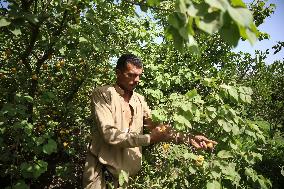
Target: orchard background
(54,52)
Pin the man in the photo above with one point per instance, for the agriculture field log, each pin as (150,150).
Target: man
(117,138)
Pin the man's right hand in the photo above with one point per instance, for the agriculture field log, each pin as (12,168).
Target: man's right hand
(160,133)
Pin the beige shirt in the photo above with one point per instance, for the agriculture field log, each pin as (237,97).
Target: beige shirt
(117,137)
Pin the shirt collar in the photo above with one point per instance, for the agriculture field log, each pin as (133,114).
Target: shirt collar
(118,89)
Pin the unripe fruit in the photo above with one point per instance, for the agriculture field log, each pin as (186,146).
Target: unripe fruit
(65,144)
(210,145)
(2,75)
(49,56)
(34,77)
(162,128)
(166,147)
(45,66)
(8,52)
(14,70)
(81,60)
(58,66)
(61,62)
(199,160)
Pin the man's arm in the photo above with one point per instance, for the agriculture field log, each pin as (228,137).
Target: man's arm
(164,133)
(197,141)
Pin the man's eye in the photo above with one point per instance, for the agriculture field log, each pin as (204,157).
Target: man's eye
(133,75)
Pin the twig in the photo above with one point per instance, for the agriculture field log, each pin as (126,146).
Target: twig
(145,4)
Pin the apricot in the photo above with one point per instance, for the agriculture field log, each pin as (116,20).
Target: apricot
(34,77)
(210,145)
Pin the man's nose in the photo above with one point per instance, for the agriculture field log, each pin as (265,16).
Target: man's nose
(137,78)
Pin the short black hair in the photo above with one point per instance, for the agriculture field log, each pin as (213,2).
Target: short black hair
(128,58)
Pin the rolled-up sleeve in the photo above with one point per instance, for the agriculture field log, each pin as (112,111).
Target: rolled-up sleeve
(101,111)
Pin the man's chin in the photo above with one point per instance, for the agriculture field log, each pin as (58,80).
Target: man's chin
(132,87)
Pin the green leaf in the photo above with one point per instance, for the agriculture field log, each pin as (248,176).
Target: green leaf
(123,177)
(50,147)
(192,11)
(62,50)
(153,2)
(210,23)
(233,145)
(224,154)
(248,90)
(158,115)
(143,8)
(219,4)
(250,133)
(4,22)
(28,98)
(251,36)
(243,97)
(190,156)
(224,86)
(251,173)
(183,33)
(211,112)
(181,6)
(82,39)
(178,42)
(215,174)
(241,16)
(191,170)
(233,93)
(192,93)
(39,168)
(192,45)
(248,98)
(225,125)
(213,185)
(211,109)
(16,32)
(257,156)
(182,120)
(20,184)
(235,129)
(230,33)
(31,17)
(33,170)
(238,3)
(174,21)
(172,33)
(197,116)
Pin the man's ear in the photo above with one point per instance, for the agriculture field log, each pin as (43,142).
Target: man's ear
(117,72)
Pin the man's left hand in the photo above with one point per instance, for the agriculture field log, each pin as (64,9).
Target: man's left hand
(201,142)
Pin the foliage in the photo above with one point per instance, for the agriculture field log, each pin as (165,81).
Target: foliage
(233,20)
(54,52)
(214,107)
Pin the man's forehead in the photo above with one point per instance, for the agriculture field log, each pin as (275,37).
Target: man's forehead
(133,68)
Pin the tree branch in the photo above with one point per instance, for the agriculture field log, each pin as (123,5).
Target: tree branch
(26,4)
(143,3)
(49,50)
(25,55)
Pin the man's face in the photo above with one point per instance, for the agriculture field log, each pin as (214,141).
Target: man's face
(129,78)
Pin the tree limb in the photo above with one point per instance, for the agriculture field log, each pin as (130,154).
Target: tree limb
(142,3)
(49,50)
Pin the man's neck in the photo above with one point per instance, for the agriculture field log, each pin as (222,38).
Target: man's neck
(126,93)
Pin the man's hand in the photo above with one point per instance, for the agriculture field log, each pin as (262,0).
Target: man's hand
(201,142)
(160,133)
